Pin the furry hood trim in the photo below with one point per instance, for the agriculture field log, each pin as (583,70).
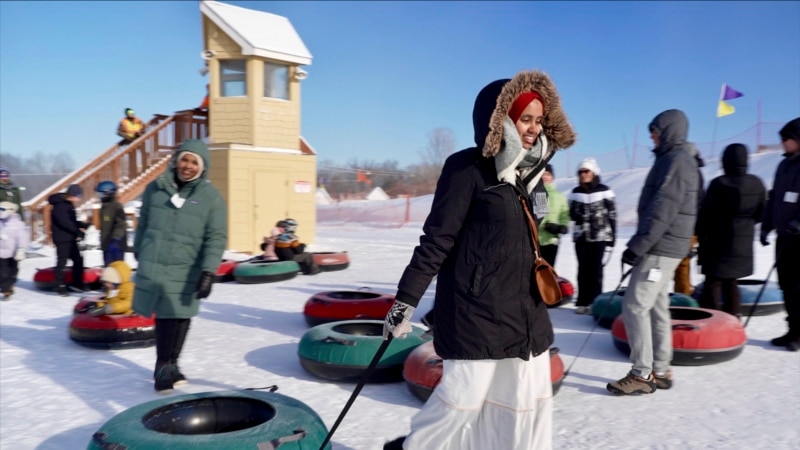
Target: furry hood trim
(555,126)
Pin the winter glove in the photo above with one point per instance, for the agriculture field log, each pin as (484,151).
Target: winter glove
(19,255)
(630,258)
(204,285)
(398,320)
(764,240)
(555,228)
(793,227)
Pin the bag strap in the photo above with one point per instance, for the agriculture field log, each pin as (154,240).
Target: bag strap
(532,228)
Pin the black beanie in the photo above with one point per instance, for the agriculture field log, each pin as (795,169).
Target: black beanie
(549,168)
(791,130)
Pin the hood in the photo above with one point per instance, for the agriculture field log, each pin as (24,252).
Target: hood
(58,197)
(197,147)
(495,100)
(791,130)
(672,128)
(124,270)
(734,160)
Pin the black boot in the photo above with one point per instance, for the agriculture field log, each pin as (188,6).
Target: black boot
(165,342)
(181,330)
(396,444)
(163,378)
(783,340)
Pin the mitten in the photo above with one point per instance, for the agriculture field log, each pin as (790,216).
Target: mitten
(398,320)
(19,255)
(204,285)
(630,258)
(115,250)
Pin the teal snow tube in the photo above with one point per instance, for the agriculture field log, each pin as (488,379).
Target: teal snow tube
(227,420)
(252,272)
(607,306)
(342,351)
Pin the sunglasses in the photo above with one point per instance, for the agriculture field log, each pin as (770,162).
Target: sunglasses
(584,171)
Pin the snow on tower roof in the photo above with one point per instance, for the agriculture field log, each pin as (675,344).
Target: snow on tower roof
(258,33)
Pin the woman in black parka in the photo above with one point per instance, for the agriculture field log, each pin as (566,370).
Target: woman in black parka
(491,328)
(733,204)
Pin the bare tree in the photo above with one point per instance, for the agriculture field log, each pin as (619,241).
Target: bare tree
(441,144)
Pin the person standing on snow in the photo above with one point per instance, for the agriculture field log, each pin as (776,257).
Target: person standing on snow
(491,327)
(594,211)
(725,229)
(554,224)
(783,215)
(13,242)
(113,225)
(180,238)
(667,212)
(9,192)
(66,230)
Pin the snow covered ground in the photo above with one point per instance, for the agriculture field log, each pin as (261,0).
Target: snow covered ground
(54,394)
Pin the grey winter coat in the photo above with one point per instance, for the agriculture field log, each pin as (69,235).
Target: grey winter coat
(175,245)
(667,206)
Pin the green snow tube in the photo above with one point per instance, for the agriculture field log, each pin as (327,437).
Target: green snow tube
(342,351)
(227,420)
(607,306)
(252,272)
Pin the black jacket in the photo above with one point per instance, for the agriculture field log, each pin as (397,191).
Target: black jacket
(64,227)
(784,205)
(476,240)
(733,204)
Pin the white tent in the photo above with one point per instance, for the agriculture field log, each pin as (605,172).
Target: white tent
(378,194)
(322,197)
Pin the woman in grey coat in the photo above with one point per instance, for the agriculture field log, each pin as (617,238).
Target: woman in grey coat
(179,242)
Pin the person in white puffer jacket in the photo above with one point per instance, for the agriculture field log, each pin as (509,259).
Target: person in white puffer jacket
(13,242)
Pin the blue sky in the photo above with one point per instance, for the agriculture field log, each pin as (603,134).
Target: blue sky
(385,74)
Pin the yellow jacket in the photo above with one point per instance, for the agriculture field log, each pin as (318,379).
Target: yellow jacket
(122,303)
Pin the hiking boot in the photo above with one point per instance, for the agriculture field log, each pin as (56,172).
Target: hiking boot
(178,379)
(164,383)
(663,381)
(396,444)
(783,340)
(583,310)
(794,345)
(632,385)
(62,291)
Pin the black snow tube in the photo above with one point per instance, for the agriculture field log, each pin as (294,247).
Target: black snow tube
(224,420)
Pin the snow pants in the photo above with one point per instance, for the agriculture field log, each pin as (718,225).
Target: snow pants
(645,312)
(487,404)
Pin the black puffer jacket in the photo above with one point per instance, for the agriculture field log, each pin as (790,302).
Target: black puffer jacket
(783,204)
(667,207)
(65,226)
(476,239)
(733,204)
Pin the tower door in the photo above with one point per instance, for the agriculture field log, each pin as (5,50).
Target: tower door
(270,204)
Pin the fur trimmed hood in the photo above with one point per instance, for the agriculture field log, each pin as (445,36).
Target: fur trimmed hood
(495,100)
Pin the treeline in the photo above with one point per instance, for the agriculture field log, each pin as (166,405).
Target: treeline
(37,172)
(358,177)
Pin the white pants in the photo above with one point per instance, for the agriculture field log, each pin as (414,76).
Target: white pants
(487,404)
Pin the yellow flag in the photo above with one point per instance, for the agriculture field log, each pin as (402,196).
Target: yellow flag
(725,109)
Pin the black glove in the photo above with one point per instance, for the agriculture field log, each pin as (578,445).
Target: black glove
(555,228)
(398,320)
(301,248)
(204,285)
(793,227)
(764,240)
(630,258)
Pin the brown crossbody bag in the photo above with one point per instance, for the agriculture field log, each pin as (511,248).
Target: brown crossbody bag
(544,275)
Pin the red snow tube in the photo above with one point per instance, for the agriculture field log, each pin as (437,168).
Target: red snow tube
(699,336)
(422,370)
(567,292)
(331,261)
(114,331)
(334,306)
(225,271)
(45,279)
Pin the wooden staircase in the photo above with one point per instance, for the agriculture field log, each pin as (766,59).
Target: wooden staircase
(130,167)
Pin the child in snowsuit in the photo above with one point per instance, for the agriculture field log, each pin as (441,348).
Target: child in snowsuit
(289,248)
(113,226)
(268,246)
(13,242)
(116,279)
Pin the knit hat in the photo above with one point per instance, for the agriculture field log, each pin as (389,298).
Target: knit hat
(8,206)
(591,165)
(4,173)
(75,190)
(549,168)
(791,130)
(111,275)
